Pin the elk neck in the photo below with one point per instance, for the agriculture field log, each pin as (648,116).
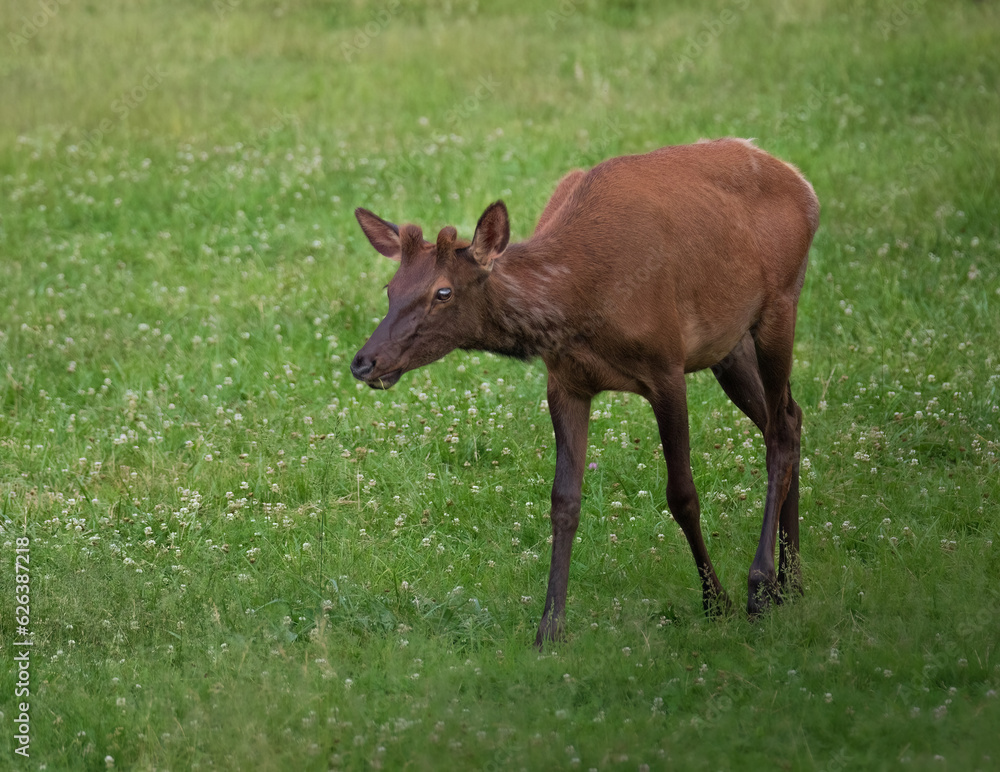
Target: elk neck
(524,313)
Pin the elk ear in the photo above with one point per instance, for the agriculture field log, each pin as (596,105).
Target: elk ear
(492,235)
(384,236)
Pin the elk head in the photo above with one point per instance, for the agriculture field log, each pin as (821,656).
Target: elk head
(437,299)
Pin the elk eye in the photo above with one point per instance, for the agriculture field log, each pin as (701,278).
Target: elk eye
(443,294)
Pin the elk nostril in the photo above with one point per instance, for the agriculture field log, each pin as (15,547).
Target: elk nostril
(361,367)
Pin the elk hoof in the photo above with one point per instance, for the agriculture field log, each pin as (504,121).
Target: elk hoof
(791,584)
(717,605)
(549,631)
(763,592)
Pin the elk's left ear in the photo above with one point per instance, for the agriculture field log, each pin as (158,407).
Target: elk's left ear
(492,235)
(383,235)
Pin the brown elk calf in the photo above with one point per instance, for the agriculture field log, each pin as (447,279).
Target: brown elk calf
(640,270)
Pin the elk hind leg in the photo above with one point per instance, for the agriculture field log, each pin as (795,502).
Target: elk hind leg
(739,376)
(782,435)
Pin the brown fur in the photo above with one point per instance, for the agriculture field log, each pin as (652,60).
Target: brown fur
(640,270)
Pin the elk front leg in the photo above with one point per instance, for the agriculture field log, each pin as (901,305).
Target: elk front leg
(570,418)
(670,407)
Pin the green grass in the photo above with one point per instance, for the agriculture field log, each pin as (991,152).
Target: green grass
(242,559)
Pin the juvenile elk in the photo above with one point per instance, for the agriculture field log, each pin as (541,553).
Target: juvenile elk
(640,270)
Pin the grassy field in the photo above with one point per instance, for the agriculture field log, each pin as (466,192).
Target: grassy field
(242,559)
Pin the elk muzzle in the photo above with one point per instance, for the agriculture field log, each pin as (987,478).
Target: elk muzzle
(364,368)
